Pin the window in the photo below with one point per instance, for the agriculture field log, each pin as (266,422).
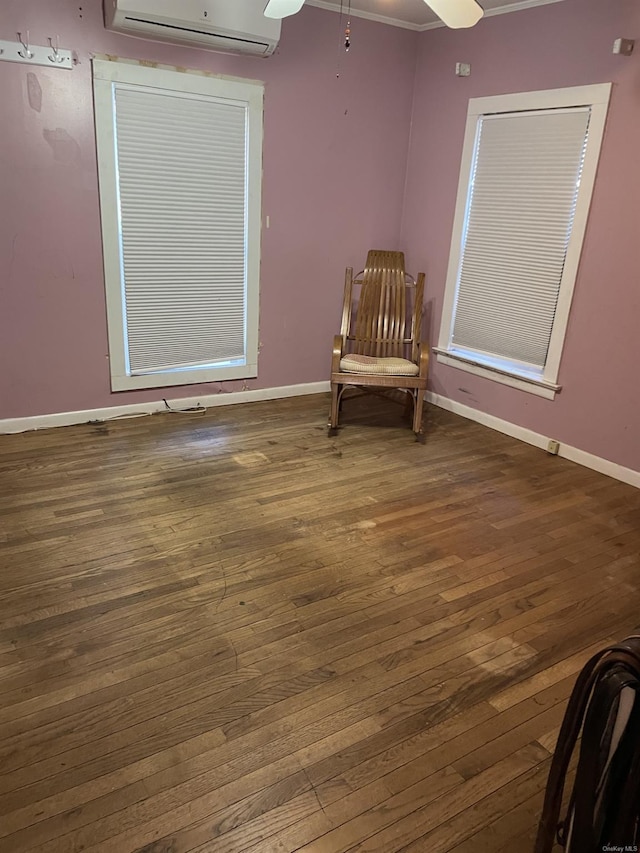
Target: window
(180,159)
(528,168)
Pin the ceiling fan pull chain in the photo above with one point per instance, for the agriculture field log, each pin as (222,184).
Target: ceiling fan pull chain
(347,32)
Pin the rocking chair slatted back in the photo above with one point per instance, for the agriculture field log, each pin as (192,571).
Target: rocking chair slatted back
(381,318)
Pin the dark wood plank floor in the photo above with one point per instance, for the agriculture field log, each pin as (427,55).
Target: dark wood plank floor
(230,633)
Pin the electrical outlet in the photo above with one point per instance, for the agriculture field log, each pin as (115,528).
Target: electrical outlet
(553,447)
(463,69)
(624,47)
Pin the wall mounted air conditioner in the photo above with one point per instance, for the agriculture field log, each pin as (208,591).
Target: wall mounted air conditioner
(233,26)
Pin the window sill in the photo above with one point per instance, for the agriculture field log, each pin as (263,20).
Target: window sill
(532,386)
(194,376)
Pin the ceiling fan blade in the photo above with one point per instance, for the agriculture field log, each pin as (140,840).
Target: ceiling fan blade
(457,13)
(282,8)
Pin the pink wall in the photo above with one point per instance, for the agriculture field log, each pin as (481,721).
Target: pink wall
(563,44)
(334,166)
(335,170)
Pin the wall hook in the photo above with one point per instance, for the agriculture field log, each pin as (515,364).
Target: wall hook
(56,50)
(21,50)
(27,53)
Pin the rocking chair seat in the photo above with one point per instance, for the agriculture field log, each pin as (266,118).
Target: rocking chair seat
(369,364)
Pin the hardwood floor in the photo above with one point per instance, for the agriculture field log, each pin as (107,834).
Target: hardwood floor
(230,633)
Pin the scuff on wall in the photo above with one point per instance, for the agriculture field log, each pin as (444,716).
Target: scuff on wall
(34,92)
(65,148)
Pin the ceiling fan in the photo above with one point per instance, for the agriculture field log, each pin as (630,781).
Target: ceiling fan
(453,13)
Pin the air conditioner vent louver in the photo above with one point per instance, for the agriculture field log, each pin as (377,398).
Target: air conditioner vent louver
(262,44)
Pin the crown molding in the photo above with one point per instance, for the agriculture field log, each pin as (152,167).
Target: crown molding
(421,28)
(369,16)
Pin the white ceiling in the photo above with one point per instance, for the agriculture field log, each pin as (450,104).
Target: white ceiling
(415,14)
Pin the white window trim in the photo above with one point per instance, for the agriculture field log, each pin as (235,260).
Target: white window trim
(597,97)
(105,73)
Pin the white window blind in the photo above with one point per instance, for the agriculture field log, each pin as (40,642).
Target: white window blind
(520,209)
(182,186)
(180,167)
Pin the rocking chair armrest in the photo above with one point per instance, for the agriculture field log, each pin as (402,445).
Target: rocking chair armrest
(337,353)
(423,359)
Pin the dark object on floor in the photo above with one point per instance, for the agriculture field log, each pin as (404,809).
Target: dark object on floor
(603,812)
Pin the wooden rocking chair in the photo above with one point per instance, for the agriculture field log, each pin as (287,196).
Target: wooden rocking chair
(379,347)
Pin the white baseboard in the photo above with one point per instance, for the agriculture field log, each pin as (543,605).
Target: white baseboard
(132,410)
(596,463)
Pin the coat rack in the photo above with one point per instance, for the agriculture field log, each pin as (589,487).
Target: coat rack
(33,54)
